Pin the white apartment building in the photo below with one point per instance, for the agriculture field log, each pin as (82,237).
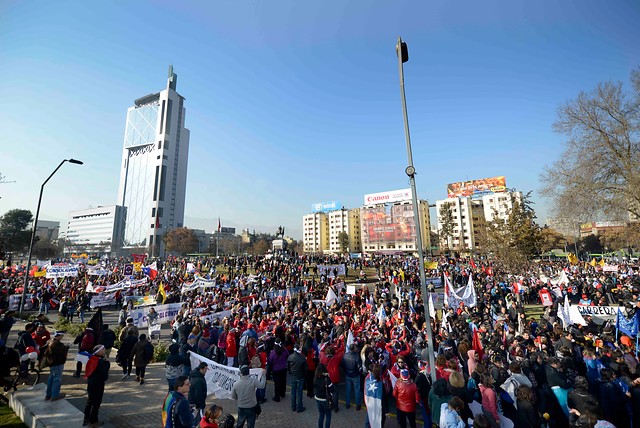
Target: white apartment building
(96,230)
(348,221)
(499,205)
(315,232)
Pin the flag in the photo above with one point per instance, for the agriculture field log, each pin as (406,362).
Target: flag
(350,339)
(573,259)
(373,391)
(447,290)
(381,314)
(137,267)
(96,324)
(476,345)
(151,271)
(219,225)
(432,309)
(601,263)
(431,265)
(331,297)
(627,326)
(593,262)
(472,263)
(162,292)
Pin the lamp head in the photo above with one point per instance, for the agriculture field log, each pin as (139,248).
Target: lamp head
(77,162)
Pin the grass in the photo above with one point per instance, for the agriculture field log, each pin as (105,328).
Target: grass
(534,311)
(8,419)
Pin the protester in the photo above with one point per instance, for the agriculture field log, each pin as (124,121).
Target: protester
(96,376)
(54,357)
(124,356)
(198,390)
(278,366)
(175,409)
(244,391)
(108,339)
(407,397)
(297,369)
(323,390)
(450,414)
(141,354)
(352,366)
(174,366)
(86,341)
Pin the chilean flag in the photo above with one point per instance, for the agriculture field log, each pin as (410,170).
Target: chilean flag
(151,271)
(373,391)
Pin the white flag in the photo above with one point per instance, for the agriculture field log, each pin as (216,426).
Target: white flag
(331,297)
(350,339)
(432,309)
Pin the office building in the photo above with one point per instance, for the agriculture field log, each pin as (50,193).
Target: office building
(96,230)
(47,230)
(315,233)
(344,221)
(153,176)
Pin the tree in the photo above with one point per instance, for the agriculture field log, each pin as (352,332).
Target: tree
(343,241)
(447,224)
(14,234)
(551,239)
(515,240)
(261,246)
(46,249)
(598,174)
(181,240)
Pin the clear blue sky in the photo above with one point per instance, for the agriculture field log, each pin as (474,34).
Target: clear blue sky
(291,102)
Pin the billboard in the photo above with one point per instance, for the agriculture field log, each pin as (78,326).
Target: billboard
(323,207)
(385,197)
(230,230)
(388,223)
(476,188)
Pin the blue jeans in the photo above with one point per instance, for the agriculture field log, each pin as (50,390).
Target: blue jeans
(261,393)
(297,386)
(53,383)
(246,415)
(353,383)
(44,308)
(324,414)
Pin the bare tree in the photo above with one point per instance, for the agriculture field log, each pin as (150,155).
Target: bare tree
(598,174)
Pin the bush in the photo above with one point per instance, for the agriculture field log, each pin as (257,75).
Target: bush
(117,331)
(160,352)
(71,329)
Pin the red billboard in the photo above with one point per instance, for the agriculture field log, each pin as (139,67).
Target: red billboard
(388,224)
(475,188)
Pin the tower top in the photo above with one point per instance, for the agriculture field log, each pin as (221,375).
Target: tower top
(172,80)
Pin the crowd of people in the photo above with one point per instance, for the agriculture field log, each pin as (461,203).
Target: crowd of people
(303,327)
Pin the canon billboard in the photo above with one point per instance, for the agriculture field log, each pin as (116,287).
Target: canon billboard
(388,223)
(386,197)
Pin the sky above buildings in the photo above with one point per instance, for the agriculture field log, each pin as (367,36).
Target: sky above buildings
(291,103)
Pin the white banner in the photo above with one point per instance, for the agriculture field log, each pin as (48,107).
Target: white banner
(165,314)
(610,268)
(328,270)
(215,316)
(61,271)
(351,289)
(102,299)
(220,379)
(600,314)
(14,302)
(98,272)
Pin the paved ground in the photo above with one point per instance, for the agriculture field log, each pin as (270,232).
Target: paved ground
(127,404)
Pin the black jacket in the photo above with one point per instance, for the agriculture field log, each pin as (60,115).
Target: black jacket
(352,364)
(100,375)
(198,389)
(528,416)
(556,378)
(297,365)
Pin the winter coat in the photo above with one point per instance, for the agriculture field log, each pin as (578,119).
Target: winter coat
(333,363)
(490,401)
(124,353)
(406,394)
(449,418)
(278,362)
(435,404)
(297,365)
(198,389)
(138,353)
(232,348)
(528,416)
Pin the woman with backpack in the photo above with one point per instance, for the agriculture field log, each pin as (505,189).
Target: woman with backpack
(142,354)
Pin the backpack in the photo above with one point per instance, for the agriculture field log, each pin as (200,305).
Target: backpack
(148,352)
(86,344)
(226,421)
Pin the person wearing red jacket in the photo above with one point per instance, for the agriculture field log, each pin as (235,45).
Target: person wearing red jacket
(332,357)
(406,394)
(232,347)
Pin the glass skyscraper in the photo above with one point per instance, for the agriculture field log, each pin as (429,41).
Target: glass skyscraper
(153,177)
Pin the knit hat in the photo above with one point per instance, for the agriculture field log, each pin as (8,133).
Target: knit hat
(404,374)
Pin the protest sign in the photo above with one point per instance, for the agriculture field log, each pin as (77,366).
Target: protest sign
(436,281)
(103,299)
(328,270)
(351,289)
(215,316)
(61,271)
(14,302)
(220,379)
(610,268)
(600,314)
(165,314)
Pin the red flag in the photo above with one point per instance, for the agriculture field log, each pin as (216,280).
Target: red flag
(476,345)
(473,264)
(219,227)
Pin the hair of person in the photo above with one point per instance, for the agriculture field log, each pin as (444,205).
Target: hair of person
(441,361)
(180,381)
(441,387)
(320,371)
(457,404)
(515,367)
(524,393)
(486,379)
(456,380)
(376,371)
(212,411)
(480,421)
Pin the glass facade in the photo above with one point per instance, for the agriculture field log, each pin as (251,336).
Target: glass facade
(139,194)
(141,125)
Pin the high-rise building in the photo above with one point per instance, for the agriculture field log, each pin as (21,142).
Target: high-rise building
(153,178)
(315,229)
(344,221)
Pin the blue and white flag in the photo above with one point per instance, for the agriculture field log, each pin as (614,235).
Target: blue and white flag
(382,314)
(627,326)
(373,391)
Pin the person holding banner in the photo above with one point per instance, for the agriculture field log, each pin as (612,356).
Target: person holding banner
(244,391)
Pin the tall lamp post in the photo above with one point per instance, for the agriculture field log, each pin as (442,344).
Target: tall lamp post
(403,56)
(33,231)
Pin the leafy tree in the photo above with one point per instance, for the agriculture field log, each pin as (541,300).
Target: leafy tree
(343,240)
(14,234)
(515,240)
(181,240)
(46,249)
(598,174)
(591,244)
(551,239)
(447,224)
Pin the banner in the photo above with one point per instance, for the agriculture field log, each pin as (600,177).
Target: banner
(436,281)
(61,271)
(215,316)
(220,379)
(328,270)
(98,272)
(545,298)
(465,295)
(600,314)
(141,300)
(610,268)
(165,314)
(14,302)
(351,289)
(103,299)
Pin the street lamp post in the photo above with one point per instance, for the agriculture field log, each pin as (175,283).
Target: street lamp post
(33,231)
(403,56)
